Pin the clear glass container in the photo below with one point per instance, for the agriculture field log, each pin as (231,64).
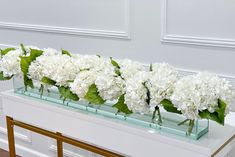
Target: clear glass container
(169,125)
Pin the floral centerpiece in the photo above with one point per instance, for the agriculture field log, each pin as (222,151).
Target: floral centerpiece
(129,85)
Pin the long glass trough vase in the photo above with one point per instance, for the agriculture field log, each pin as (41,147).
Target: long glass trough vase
(170,121)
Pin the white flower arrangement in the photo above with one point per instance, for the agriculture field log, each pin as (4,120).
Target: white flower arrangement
(134,87)
(162,82)
(136,97)
(197,93)
(109,84)
(10,63)
(129,68)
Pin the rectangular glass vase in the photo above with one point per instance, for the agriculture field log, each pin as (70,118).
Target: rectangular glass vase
(169,125)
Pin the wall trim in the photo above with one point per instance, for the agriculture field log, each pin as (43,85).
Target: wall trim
(22,150)
(23,137)
(66,152)
(125,34)
(190,40)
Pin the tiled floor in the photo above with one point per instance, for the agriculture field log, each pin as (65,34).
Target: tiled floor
(4,153)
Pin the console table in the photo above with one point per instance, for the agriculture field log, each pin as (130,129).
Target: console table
(108,137)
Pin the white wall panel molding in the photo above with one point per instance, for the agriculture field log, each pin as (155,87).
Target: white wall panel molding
(167,37)
(67,30)
(23,137)
(67,153)
(22,150)
(68,150)
(122,33)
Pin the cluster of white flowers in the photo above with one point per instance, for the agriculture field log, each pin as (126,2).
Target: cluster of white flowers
(143,89)
(109,84)
(60,68)
(10,63)
(162,82)
(200,92)
(90,67)
(98,71)
(136,92)
(129,68)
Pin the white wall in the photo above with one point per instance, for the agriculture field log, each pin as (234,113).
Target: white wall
(192,35)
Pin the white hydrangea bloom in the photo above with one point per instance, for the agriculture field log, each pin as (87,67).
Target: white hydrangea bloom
(200,92)
(162,82)
(136,93)
(130,68)
(60,68)
(82,82)
(50,52)
(37,67)
(90,67)
(86,62)
(10,63)
(110,86)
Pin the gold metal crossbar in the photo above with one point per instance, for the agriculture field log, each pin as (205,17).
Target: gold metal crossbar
(58,136)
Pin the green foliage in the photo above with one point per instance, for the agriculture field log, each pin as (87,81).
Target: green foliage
(66,93)
(148,93)
(2,78)
(48,81)
(121,106)
(169,106)
(64,52)
(116,65)
(23,49)
(219,114)
(25,63)
(151,67)
(5,51)
(93,95)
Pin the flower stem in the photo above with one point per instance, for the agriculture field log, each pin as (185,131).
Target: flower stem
(157,110)
(41,89)
(183,122)
(191,125)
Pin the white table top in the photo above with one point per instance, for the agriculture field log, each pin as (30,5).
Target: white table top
(111,134)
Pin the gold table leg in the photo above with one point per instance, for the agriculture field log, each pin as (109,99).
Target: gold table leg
(11,139)
(59,146)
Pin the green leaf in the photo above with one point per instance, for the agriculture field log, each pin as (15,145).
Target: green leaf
(2,78)
(169,106)
(48,81)
(114,63)
(219,114)
(66,93)
(148,93)
(5,51)
(93,95)
(64,52)
(23,49)
(151,67)
(121,106)
(25,63)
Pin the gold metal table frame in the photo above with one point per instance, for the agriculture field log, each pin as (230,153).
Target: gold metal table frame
(55,135)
